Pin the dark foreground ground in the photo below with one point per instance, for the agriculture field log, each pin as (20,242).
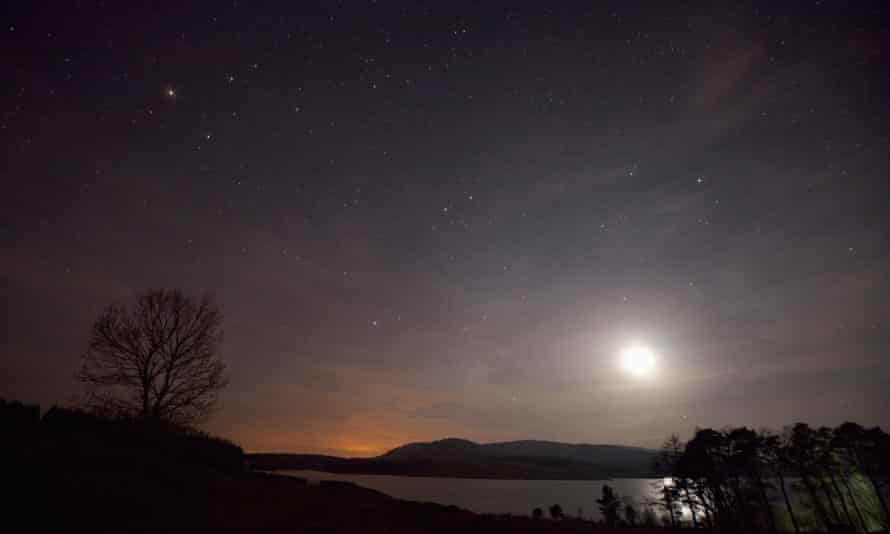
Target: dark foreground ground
(69,471)
(204,501)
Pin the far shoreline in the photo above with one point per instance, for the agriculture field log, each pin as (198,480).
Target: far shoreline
(453,477)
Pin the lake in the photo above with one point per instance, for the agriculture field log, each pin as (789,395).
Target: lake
(518,497)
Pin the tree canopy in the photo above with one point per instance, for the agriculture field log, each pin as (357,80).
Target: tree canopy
(157,359)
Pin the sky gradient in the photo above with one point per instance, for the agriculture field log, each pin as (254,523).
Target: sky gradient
(448,219)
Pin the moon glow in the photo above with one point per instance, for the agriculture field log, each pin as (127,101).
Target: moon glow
(638,361)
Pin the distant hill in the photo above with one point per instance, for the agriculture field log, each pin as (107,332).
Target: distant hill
(460,458)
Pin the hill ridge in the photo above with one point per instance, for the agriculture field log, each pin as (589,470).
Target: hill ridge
(463,458)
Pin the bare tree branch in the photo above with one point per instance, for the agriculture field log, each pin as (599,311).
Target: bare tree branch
(158,360)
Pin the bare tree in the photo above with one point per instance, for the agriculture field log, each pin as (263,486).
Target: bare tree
(157,360)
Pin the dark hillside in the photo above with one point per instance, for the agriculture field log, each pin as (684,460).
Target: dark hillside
(460,458)
(71,471)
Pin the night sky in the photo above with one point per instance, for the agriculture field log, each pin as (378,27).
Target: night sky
(449,219)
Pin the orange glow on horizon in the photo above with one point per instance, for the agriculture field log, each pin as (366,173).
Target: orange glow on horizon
(335,444)
(359,448)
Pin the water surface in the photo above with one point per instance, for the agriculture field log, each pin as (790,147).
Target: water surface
(517,497)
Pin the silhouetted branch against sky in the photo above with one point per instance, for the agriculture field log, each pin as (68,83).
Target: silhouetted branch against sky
(158,358)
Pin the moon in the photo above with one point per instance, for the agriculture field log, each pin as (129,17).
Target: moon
(638,361)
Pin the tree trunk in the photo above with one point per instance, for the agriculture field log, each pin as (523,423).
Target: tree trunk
(742,504)
(766,505)
(837,490)
(146,407)
(817,504)
(788,504)
(874,484)
(719,503)
(670,505)
(855,504)
(827,492)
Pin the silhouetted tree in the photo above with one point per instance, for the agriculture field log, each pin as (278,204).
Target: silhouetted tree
(745,468)
(537,513)
(869,452)
(829,459)
(777,460)
(877,462)
(157,360)
(803,457)
(727,475)
(556,512)
(758,471)
(668,460)
(630,513)
(843,440)
(668,499)
(705,462)
(609,505)
(689,469)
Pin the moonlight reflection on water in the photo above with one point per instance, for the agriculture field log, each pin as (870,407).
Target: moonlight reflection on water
(518,497)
